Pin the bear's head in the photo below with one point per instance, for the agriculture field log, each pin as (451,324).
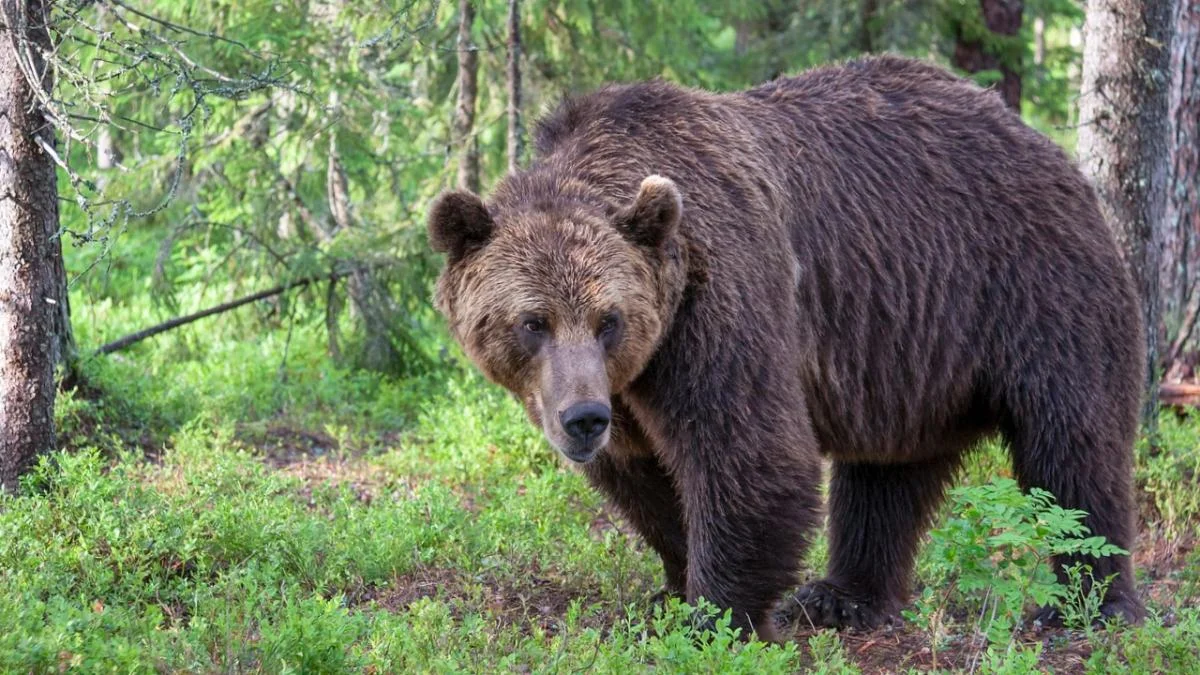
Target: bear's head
(559,302)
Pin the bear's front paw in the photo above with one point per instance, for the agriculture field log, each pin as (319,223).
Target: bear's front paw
(824,605)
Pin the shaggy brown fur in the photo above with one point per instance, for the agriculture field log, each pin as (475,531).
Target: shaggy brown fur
(876,261)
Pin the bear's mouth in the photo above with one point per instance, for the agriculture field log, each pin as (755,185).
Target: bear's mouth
(579,452)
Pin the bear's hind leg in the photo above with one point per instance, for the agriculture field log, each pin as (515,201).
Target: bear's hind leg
(877,513)
(1088,470)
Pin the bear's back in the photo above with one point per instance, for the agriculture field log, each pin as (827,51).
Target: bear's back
(940,241)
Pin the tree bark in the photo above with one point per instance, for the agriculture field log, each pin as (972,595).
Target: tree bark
(1002,17)
(1181,259)
(515,131)
(35,333)
(867,11)
(369,298)
(464,111)
(1122,144)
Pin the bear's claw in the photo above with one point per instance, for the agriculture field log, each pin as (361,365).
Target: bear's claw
(825,605)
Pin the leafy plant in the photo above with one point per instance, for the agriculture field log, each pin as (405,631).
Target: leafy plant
(1012,660)
(829,655)
(1166,473)
(997,549)
(1163,644)
(1081,606)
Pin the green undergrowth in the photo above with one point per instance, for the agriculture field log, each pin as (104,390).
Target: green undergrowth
(432,554)
(228,500)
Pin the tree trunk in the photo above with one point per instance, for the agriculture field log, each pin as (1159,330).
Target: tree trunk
(370,300)
(1122,143)
(867,11)
(1002,17)
(1181,260)
(1039,41)
(464,112)
(35,333)
(515,132)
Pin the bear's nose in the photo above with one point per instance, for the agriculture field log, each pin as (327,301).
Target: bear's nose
(585,421)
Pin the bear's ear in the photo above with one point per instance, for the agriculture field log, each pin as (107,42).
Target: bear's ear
(654,213)
(458,224)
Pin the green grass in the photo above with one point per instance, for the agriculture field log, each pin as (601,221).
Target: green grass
(210,559)
(229,501)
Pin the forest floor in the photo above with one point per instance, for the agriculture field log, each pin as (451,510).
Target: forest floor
(229,501)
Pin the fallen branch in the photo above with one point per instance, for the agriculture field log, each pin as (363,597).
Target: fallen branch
(1180,394)
(133,338)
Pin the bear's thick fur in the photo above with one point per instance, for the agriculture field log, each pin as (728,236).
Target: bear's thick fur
(697,295)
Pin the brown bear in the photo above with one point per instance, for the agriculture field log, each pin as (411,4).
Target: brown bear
(698,295)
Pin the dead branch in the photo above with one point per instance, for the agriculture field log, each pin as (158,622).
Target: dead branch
(1180,394)
(133,338)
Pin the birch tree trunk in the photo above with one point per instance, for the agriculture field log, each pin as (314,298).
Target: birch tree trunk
(464,111)
(35,333)
(515,132)
(1122,144)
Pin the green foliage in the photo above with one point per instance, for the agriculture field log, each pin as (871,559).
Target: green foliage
(676,645)
(1159,646)
(1080,606)
(997,548)
(963,21)
(1013,660)
(227,140)
(1167,471)
(213,560)
(828,655)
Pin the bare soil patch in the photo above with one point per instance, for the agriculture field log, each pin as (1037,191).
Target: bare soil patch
(539,599)
(282,445)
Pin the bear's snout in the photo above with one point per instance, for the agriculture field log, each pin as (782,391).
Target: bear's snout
(586,420)
(574,398)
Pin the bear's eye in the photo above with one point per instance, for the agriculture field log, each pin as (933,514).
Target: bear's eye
(532,332)
(608,324)
(609,329)
(534,325)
